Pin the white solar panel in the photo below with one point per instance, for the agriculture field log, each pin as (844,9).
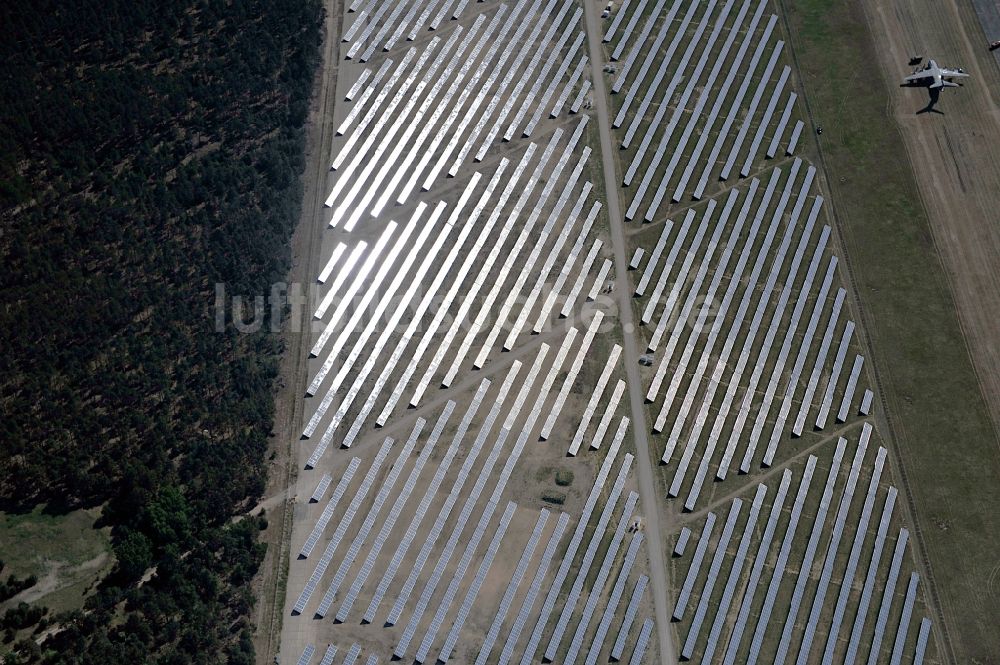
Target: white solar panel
(642,642)
(525,75)
(321,487)
(765,121)
(627,31)
(793,141)
(374,112)
(307,654)
(772,148)
(486,117)
(570,555)
(695,566)
(470,598)
(630,612)
(515,581)
(756,570)
(881,621)
(574,79)
(398,503)
(838,364)
(866,592)
(473,542)
(595,398)
(446,508)
(352,655)
(790,331)
(691,80)
(805,346)
(574,370)
(529,600)
(713,576)
(619,15)
(569,604)
(852,383)
(553,54)
(373,512)
(578,102)
(810,553)
(345,522)
(616,593)
(720,98)
(772,331)
(330,507)
(904,621)
(735,577)
(847,580)
(603,574)
(921,648)
(777,574)
(329,655)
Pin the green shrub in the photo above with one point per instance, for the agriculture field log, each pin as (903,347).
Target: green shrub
(556,498)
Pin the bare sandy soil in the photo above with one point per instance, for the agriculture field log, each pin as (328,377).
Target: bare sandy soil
(954,159)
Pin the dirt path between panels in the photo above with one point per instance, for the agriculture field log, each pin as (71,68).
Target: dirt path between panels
(644,472)
(269,586)
(955,154)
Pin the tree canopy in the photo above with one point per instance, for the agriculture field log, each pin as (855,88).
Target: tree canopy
(148,151)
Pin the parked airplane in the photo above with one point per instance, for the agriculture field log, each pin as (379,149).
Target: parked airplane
(939,77)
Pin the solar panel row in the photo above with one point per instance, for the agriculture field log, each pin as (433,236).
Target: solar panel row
(630,612)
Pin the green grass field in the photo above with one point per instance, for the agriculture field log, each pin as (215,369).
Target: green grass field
(65,552)
(946,447)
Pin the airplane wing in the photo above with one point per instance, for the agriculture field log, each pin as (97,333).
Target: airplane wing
(953,73)
(916,76)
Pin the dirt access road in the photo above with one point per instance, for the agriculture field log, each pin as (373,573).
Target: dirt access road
(306,245)
(955,155)
(647,486)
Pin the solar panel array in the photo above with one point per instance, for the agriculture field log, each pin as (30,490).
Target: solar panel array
(321,488)
(743,302)
(690,82)
(328,655)
(607,618)
(587,642)
(527,399)
(792,590)
(741,305)
(576,642)
(515,581)
(629,619)
(489,222)
(745,315)
(464,234)
(529,600)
